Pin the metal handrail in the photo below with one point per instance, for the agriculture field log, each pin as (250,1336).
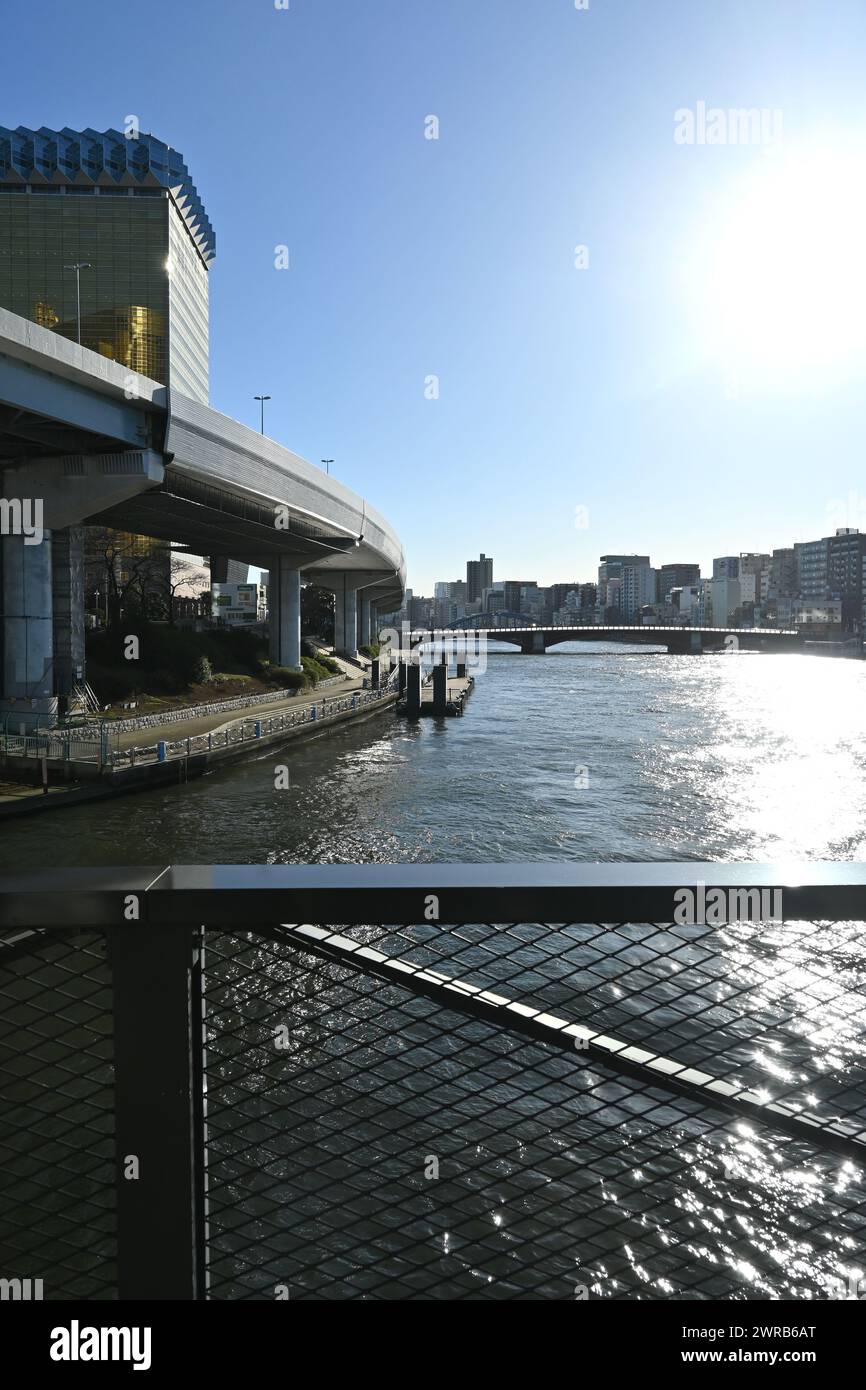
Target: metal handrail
(356,894)
(176,933)
(65,744)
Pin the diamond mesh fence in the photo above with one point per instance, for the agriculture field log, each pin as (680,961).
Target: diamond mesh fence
(478,1111)
(57,1160)
(380,1126)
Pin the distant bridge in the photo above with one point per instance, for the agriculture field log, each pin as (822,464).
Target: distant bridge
(537,639)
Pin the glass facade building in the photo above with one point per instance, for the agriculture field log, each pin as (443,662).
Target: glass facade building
(127,208)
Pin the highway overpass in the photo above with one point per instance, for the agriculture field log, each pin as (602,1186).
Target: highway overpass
(96,444)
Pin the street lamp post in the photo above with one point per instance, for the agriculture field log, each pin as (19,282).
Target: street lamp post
(327,463)
(78,266)
(262,399)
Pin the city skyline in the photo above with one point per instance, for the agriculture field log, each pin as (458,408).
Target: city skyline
(433,668)
(598,379)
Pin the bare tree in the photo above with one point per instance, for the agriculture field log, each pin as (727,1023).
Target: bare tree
(129,570)
(182,573)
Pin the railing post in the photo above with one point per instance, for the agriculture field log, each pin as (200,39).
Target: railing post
(158,1111)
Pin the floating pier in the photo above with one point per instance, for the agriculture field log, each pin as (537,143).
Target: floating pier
(438,696)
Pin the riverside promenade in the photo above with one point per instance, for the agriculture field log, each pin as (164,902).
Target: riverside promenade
(213,723)
(74,768)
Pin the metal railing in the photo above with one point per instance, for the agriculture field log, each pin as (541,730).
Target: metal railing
(59,745)
(67,745)
(506,1081)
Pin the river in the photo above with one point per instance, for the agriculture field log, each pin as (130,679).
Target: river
(557,1176)
(584,754)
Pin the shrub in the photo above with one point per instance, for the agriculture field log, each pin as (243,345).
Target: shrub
(111,687)
(309,649)
(285,676)
(370,649)
(314,670)
(246,647)
(203,673)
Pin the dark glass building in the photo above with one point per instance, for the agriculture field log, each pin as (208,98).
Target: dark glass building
(128,209)
(676,576)
(479,576)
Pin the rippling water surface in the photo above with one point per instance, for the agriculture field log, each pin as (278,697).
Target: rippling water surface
(584,755)
(715,757)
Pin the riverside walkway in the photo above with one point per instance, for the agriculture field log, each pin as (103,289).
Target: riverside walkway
(167,753)
(214,723)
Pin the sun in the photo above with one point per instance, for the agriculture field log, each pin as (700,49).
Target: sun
(778,283)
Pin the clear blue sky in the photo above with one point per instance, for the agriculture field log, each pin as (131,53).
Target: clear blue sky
(605,388)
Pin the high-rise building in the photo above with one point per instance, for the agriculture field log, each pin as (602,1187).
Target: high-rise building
(727,567)
(638,589)
(125,212)
(588,596)
(610,580)
(479,576)
(725,599)
(754,578)
(559,594)
(676,576)
(846,552)
(128,211)
(783,574)
(813,568)
(514,590)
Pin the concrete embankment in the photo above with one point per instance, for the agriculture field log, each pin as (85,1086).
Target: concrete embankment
(187,756)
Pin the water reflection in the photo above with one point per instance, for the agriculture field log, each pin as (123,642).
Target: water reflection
(714,758)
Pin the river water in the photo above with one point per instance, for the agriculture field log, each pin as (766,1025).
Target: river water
(572,1177)
(584,754)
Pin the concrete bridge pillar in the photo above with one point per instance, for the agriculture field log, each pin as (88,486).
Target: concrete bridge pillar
(534,645)
(696,643)
(346,619)
(364,616)
(26,629)
(284,599)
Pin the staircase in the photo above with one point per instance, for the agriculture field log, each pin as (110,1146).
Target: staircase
(82,703)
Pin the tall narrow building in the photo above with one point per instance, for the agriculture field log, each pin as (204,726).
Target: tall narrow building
(479,576)
(104,235)
(126,211)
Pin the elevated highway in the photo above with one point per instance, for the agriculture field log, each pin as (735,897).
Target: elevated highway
(96,444)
